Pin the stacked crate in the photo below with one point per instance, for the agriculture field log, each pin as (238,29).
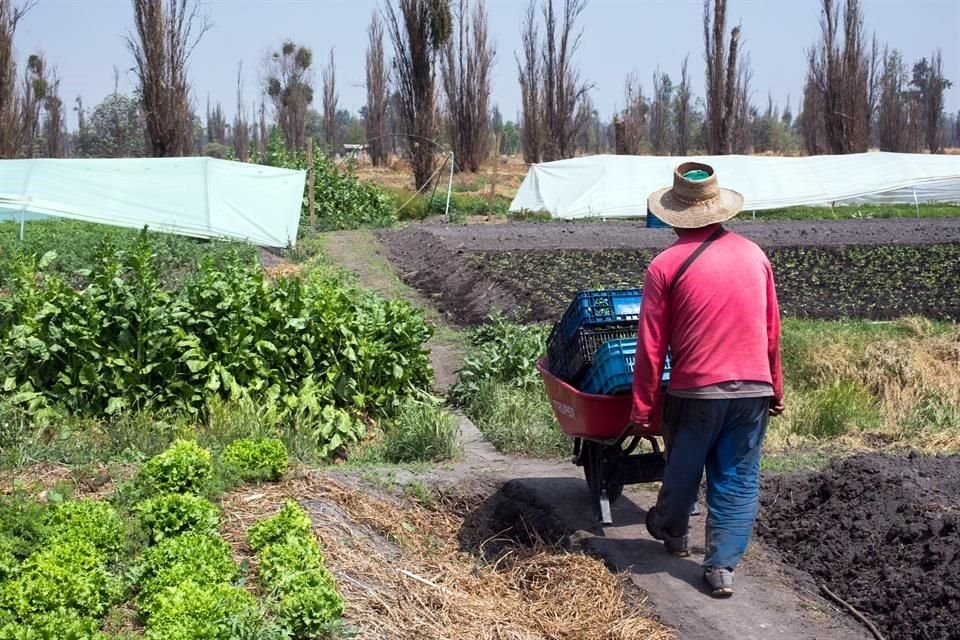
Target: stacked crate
(593,346)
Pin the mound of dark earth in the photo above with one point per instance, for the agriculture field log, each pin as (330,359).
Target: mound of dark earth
(882,532)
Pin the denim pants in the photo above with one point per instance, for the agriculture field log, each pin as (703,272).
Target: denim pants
(723,436)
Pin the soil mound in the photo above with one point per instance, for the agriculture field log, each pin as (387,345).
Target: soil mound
(882,532)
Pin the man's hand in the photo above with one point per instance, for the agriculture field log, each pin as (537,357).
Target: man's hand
(776,407)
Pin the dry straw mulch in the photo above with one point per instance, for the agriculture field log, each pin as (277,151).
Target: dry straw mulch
(402,574)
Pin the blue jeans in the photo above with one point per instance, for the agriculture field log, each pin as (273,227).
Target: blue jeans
(725,437)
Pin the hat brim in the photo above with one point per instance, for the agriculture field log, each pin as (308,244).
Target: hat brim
(665,206)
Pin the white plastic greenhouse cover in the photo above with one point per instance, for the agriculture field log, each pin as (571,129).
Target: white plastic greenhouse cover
(200,197)
(617,186)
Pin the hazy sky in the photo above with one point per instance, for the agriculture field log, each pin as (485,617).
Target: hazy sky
(84,39)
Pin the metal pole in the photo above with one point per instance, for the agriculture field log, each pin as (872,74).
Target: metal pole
(446,212)
(23,215)
(916,203)
(310,186)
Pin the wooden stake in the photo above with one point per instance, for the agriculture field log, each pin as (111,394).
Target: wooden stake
(493,180)
(310,185)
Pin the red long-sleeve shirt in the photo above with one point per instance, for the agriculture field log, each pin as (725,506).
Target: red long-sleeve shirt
(723,323)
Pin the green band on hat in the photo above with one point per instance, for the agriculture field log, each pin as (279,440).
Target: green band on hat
(696,175)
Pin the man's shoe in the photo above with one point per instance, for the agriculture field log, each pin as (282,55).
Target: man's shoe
(719,581)
(677,545)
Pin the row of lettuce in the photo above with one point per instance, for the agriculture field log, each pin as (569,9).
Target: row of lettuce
(67,567)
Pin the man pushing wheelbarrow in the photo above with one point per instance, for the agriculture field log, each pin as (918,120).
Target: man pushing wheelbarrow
(710,297)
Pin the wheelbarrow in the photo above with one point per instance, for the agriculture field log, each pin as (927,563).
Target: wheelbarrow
(605,444)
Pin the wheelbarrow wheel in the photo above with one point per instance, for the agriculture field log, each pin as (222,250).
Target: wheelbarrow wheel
(592,470)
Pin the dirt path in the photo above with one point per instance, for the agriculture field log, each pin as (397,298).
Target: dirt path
(549,500)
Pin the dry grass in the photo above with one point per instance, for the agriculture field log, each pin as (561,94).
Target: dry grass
(910,377)
(402,574)
(398,176)
(95,483)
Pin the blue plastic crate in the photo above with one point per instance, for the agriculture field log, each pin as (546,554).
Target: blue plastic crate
(600,308)
(569,359)
(612,369)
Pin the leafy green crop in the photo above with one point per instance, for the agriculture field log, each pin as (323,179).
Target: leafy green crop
(120,342)
(185,467)
(290,521)
(69,575)
(9,564)
(62,624)
(192,611)
(335,430)
(203,558)
(91,521)
(257,459)
(501,351)
(292,570)
(175,513)
(341,201)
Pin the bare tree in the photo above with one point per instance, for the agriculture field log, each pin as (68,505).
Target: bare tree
(842,71)
(682,110)
(660,113)
(530,76)
(262,128)
(631,133)
(329,78)
(562,87)
(11,129)
(167,31)
(893,110)
(289,85)
(725,82)
(241,128)
(216,124)
(35,85)
(378,78)
(743,113)
(418,29)
(811,118)
(468,61)
(54,124)
(929,85)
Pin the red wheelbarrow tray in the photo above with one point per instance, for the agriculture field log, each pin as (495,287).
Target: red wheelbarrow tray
(592,416)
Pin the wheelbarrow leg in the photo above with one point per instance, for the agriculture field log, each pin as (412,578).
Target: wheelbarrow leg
(595,470)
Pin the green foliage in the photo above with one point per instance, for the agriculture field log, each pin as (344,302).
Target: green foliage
(185,467)
(335,430)
(79,246)
(9,563)
(175,513)
(501,351)
(68,575)
(24,522)
(307,599)
(341,200)
(203,558)
(121,342)
(91,521)
(62,624)
(192,611)
(257,458)
(422,430)
(516,420)
(290,521)
(835,409)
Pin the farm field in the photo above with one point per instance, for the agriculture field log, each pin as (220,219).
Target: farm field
(871,360)
(877,269)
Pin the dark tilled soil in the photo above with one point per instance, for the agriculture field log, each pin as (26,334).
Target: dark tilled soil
(632,235)
(882,532)
(826,269)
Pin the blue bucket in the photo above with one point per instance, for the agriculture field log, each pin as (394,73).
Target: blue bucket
(653,222)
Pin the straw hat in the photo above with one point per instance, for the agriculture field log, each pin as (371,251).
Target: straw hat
(695,199)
